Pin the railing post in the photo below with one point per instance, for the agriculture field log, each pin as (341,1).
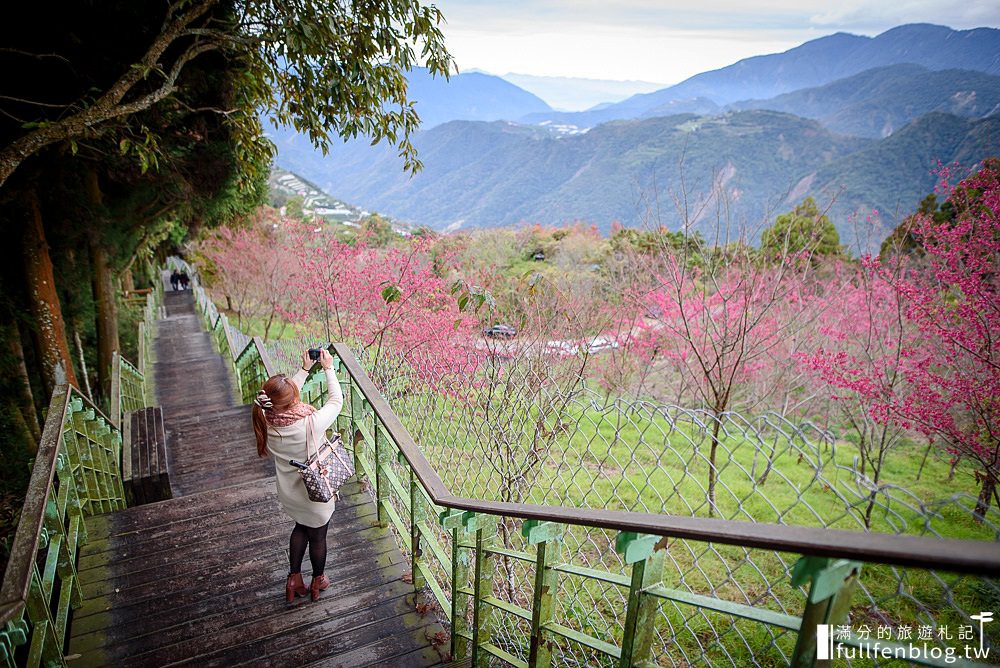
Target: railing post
(548,537)
(641,551)
(116,389)
(45,646)
(460,558)
(485,527)
(417,516)
(12,634)
(357,402)
(832,585)
(71,591)
(383,458)
(81,453)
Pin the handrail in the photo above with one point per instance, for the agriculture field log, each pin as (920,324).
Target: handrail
(135,387)
(81,446)
(967,556)
(17,578)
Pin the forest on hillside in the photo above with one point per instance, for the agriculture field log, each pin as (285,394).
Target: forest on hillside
(660,372)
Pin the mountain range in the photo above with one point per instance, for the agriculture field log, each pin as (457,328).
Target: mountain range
(858,122)
(815,63)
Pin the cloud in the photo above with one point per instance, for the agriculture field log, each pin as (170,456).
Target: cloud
(668,40)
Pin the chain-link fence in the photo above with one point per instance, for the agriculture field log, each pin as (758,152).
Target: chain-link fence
(527,428)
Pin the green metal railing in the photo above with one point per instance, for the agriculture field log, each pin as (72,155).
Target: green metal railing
(454,550)
(128,388)
(76,474)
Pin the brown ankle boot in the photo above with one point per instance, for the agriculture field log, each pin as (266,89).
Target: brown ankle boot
(295,587)
(318,584)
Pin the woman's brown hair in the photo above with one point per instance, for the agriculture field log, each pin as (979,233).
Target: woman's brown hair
(283,394)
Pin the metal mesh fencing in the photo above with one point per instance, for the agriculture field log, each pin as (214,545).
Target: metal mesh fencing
(524,428)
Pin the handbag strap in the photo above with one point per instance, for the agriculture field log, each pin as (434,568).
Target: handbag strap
(309,435)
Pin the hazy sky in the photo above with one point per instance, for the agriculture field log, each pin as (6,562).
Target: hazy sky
(666,41)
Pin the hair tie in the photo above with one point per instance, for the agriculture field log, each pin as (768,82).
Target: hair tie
(263,401)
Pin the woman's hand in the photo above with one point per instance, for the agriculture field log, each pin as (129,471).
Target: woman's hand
(306,362)
(325,359)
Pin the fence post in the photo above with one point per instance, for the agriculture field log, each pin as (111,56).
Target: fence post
(460,557)
(357,402)
(383,459)
(548,537)
(45,646)
(417,515)
(641,551)
(829,601)
(485,527)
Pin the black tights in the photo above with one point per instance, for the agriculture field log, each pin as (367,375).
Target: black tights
(315,538)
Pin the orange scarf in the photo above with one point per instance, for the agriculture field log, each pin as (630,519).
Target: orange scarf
(290,416)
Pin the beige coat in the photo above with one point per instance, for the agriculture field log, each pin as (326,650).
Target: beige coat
(289,442)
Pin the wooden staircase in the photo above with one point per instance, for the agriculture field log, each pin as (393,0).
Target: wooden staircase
(199,579)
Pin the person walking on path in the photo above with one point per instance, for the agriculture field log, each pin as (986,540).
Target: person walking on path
(282,422)
(175,279)
(184,280)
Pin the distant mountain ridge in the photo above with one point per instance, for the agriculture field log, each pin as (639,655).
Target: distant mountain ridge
(877,102)
(490,174)
(814,63)
(869,140)
(474,96)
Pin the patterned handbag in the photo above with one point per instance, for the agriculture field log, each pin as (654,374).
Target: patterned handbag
(326,469)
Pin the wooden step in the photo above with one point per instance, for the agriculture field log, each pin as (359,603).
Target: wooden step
(199,580)
(213,450)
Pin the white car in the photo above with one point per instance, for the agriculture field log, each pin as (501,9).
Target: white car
(599,343)
(561,348)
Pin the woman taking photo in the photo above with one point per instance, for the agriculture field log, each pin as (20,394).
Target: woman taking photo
(281,422)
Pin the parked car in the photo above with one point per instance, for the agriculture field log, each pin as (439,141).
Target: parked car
(500,332)
(561,348)
(599,343)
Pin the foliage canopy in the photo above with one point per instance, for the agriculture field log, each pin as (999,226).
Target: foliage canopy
(325,68)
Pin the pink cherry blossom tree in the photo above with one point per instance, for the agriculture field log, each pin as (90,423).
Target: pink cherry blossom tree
(393,303)
(253,271)
(866,341)
(954,303)
(720,314)
(912,342)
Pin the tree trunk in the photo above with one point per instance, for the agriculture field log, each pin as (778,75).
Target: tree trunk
(762,480)
(985,495)
(105,303)
(125,281)
(25,401)
(84,375)
(106,306)
(954,465)
(716,426)
(923,461)
(53,350)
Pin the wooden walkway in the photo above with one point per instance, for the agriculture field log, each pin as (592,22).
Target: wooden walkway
(199,579)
